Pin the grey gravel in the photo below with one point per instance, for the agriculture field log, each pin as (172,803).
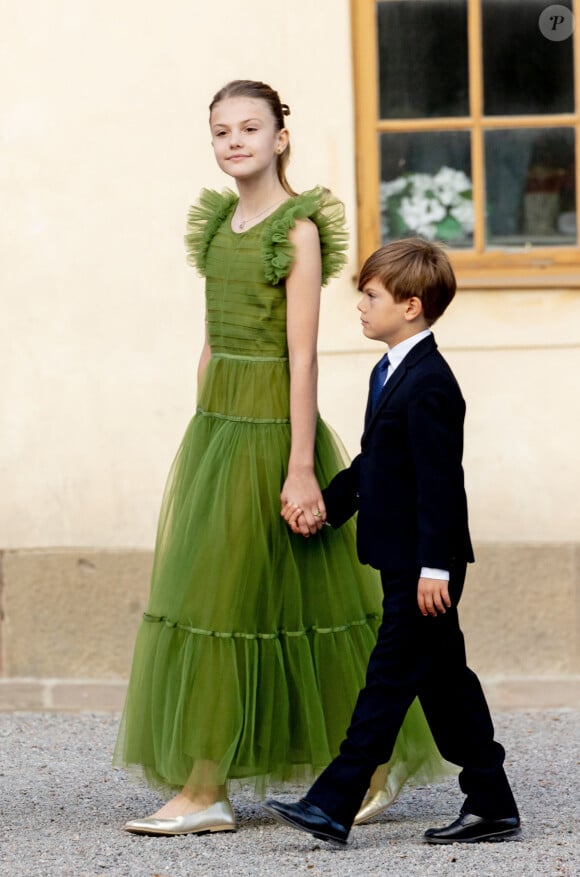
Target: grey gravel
(63,805)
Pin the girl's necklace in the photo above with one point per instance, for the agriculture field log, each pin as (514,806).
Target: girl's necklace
(243,222)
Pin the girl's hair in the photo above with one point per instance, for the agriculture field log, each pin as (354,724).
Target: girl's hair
(413,267)
(261,91)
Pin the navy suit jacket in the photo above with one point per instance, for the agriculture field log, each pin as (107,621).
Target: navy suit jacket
(407,483)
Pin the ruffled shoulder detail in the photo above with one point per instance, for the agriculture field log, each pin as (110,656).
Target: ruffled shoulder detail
(203,221)
(319,205)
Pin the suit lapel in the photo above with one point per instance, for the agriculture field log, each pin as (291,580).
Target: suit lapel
(415,355)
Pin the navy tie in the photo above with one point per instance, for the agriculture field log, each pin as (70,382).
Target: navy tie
(379,376)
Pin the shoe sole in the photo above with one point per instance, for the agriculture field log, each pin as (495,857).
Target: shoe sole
(283,820)
(208,830)
(496,836)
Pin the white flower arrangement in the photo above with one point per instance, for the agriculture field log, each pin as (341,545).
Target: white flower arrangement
(431,205)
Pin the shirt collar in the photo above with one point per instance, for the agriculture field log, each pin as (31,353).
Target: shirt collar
(400,350)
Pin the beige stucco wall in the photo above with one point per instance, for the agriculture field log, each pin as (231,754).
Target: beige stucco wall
(104,143)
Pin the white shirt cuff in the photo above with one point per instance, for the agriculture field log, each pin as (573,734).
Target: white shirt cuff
(428,572)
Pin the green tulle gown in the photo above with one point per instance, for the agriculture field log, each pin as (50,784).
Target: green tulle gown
(255,641)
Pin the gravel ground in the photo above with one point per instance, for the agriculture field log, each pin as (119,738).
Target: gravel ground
(63,805)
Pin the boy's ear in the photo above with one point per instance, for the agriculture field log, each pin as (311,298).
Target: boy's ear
(414,308)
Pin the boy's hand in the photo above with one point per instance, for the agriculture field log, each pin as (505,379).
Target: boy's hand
(301,491)
(295,518)
(433,596)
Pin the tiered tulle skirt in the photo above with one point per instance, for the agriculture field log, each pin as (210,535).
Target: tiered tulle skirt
(255,642)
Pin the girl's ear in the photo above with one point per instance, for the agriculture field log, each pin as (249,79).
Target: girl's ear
(282,140)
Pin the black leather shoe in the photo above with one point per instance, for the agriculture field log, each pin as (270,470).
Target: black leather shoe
(308,817)
(471,829)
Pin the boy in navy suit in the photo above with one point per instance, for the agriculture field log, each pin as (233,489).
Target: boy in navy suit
(407,486)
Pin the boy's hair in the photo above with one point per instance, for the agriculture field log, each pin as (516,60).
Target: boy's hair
(413,267)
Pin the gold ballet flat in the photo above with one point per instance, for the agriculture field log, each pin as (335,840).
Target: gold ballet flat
(376,802)
(373,805)
(218,817)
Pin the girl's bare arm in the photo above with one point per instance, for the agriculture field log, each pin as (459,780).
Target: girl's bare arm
(303,305)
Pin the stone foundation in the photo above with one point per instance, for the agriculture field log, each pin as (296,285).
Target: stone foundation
(68,620)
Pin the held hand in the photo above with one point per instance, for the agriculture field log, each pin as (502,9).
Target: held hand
(301,493)
(433,596)
(294,517)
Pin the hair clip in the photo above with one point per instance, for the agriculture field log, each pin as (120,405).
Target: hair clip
(285,109)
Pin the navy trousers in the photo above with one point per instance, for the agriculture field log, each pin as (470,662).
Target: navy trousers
(424,657)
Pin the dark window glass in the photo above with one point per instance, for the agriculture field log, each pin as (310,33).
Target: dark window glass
(524,72)
(426,186)
(422,47)
(530,187)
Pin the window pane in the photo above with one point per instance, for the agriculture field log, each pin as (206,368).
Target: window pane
(530,183)
(524,72)
(426,186)
(422,49)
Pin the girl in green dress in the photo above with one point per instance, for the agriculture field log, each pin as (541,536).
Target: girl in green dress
(255,641)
